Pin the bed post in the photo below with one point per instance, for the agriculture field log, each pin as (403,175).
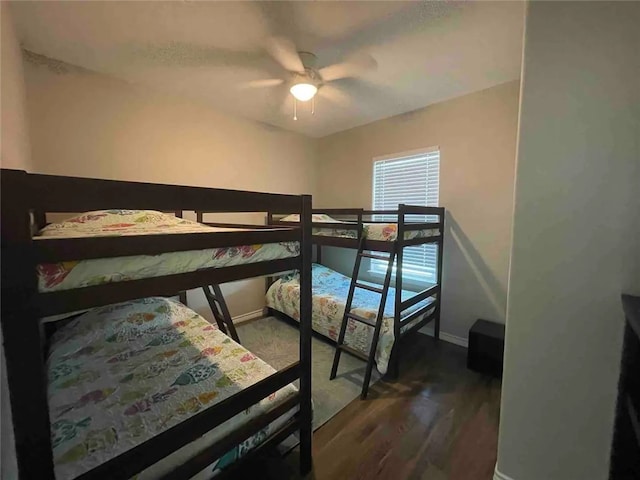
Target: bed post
(182,295)
(39,221)
(394,359)
(306,252)
(21,332)
(268,280)
(436,326)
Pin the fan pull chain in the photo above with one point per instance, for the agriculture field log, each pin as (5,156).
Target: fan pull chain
(295,109)
(313,105)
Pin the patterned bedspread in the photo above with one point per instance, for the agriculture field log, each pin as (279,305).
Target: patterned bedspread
(121,374)
(84,273)
(330,290)
(386,232)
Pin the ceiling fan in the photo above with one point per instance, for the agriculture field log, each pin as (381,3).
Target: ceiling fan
(304,78)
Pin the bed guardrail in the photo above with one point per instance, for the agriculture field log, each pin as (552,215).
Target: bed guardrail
(51,250)
(53,193)
(419,297)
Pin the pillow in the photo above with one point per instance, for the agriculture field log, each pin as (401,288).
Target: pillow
(115,222)
(316,217)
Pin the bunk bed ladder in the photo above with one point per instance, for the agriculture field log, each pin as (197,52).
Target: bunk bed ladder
(220,310)
(340,345)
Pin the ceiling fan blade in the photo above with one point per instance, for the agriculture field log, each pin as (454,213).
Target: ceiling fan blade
(335,95)
(353,67)
(267,82)
(285,53)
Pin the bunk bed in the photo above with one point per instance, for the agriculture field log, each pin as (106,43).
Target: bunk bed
(357,315)
(214,403)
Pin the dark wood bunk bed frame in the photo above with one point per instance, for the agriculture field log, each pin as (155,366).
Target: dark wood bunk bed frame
(356,218)
(26,199)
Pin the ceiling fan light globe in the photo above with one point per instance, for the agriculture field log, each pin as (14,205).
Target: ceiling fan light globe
(303,91)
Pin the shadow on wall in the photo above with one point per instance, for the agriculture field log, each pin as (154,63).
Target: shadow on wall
(471,289)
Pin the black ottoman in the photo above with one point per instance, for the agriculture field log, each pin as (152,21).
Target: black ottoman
(486,348)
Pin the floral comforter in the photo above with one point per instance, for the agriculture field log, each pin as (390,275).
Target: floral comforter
(84,273)
(330,290)
(119,375)
(386,232)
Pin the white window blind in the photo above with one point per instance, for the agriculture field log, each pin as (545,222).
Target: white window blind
(413,180)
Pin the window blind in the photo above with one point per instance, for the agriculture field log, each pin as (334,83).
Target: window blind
(412,180)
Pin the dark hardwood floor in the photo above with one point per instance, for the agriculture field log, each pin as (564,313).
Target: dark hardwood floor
(437,421)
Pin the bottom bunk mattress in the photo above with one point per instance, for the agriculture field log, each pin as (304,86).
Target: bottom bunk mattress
(330,290)
(121,374)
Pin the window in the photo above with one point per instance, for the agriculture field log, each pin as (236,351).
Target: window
(412,179)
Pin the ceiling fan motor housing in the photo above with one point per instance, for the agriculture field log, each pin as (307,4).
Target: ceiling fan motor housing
(310,74)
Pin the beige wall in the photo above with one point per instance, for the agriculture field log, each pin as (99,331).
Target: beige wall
(576,244)
(15,134)
(87,124)
(476,135)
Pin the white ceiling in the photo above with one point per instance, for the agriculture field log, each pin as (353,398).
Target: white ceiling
(426,51)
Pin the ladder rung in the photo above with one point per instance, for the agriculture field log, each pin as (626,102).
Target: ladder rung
(375,257)
(360,319)
(369,287)
(353,351)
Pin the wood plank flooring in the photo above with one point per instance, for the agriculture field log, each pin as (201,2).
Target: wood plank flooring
(437,421)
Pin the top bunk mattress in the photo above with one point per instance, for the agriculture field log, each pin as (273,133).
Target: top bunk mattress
(121,374)
(84,273)
(384,232)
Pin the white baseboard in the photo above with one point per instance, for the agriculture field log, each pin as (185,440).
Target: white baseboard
(497,475)
(245,317)
(447,337)
(460,341)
